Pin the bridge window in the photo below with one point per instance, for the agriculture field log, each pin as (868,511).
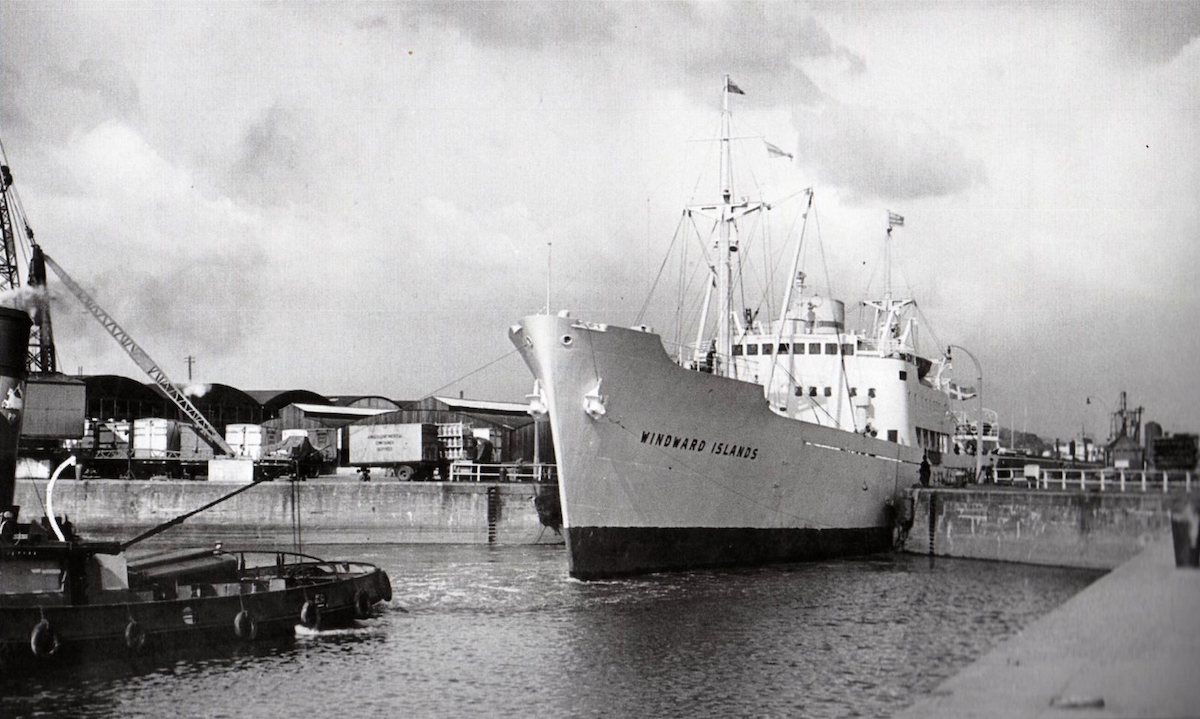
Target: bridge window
(831,349)
(847,349)
(812,391)
(751,349)
(737,350)
(893,435)
(903,375)
(766,349)
(783,348)
(799,391)
(871,392)
(854,391)
(828,391)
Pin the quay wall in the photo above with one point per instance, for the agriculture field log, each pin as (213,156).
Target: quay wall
(329,511)
(1062,528)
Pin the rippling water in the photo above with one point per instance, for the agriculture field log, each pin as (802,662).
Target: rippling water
(504,632)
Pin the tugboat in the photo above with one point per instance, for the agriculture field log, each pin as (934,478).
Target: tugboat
(66,600)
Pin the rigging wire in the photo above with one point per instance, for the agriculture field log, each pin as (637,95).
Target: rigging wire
(477,370)
(650,293)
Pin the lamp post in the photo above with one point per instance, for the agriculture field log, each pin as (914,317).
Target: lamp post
(979,421)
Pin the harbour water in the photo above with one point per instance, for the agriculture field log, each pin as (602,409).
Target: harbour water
(481,631)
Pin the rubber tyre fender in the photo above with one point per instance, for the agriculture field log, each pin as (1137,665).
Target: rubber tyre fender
(385,586)
(362,604)
(43,640)
(245,627)
(135,636)
(310,614)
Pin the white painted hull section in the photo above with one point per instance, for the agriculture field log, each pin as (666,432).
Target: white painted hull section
(615,472)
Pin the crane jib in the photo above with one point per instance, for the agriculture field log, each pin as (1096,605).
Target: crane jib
(139,356)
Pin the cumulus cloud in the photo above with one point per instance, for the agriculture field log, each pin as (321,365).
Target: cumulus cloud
(106,81)
(764,45)
(1153,32)
(270,157)
(529,25)
(11,85)
(883,155)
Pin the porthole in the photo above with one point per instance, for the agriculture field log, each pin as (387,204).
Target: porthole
(567,340)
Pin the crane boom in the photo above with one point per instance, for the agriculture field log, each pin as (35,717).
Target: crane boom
(149,366)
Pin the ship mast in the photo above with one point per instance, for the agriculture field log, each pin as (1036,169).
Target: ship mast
(724,249)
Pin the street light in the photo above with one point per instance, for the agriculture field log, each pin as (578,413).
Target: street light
(979,422)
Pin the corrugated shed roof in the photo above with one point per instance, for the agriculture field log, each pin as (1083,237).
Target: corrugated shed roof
(483,404)
(325,410)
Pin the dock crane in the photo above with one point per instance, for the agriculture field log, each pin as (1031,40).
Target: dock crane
(143,360)
(42,357)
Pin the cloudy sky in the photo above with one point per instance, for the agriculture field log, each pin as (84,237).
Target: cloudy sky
(360,198)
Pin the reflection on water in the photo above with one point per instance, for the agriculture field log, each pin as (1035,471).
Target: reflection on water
(504,632)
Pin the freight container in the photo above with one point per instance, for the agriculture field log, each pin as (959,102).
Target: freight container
(324,440)
(193,447)
(248,440)
(408,450)
(155,438)
(107,437)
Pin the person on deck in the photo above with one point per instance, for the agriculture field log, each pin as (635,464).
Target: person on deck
(923,472)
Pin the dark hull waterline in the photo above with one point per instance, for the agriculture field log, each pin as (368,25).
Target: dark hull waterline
(599,552)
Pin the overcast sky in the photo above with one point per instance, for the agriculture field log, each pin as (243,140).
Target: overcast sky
(357,198)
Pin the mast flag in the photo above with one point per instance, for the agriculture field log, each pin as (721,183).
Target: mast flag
(895,220)
(775,151)
(731,87)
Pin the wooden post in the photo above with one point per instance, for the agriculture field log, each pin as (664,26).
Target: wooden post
(1143,480)
(1082,475)
(1165,490)
(1102,480)
(1122,480)
(1064,479)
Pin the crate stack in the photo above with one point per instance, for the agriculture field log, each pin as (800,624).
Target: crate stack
(457,441)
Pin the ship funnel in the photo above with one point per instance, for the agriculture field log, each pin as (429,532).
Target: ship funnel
(14,345)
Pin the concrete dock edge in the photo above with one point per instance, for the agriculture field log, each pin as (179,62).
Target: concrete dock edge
(1127,646)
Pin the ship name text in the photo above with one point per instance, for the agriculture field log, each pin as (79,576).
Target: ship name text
(695,444)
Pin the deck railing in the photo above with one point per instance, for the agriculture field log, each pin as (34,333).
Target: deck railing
(472,472)
(1107,479)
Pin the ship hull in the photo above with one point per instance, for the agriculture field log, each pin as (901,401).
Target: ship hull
(663,468)
(599,552)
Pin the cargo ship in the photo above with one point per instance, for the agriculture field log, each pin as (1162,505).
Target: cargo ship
(781,440)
